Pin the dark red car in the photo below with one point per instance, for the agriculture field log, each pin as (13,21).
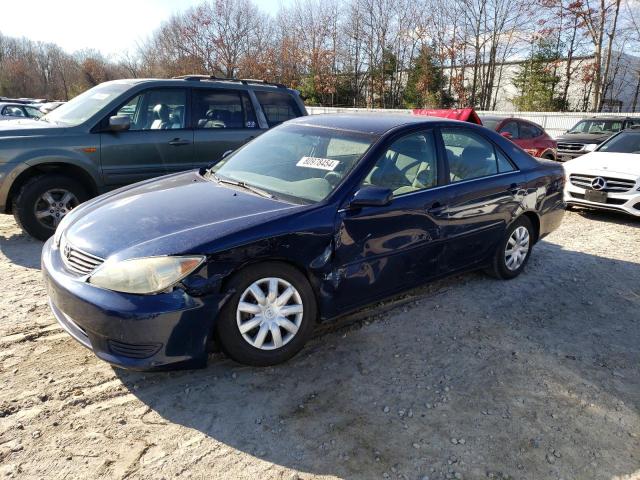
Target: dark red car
(527,135)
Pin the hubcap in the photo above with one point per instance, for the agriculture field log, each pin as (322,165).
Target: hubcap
(517,248)
(53,205)
(269,313)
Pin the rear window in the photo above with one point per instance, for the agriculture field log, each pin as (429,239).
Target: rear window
(278,107)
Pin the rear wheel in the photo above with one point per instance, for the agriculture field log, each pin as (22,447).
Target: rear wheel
(270,316)
(514,250)
(43,201)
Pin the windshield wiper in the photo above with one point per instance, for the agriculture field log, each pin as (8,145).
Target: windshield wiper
(237,183)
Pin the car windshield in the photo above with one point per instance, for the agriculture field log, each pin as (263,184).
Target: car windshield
(85,105)
(625,142)
(597,126)
(490,123)
(299,163)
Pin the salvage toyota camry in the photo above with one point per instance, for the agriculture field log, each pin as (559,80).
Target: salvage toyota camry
(309,221)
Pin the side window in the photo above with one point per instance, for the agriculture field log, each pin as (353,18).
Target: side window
(12,111)
(222,109)
(159,109)
(470,155)
(529,131)
(410,164)
(33,112)
(277,107)
(504,165)
(512,128)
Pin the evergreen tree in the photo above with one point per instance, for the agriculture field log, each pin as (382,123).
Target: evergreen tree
(426,83)
(536,82)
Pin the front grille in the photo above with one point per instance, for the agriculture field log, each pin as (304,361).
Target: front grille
(614,185)
(610,201)
(570,147)
(76,260)
(132,350)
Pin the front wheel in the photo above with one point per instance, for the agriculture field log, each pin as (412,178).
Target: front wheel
(269,317)
(45,200)
(514,250)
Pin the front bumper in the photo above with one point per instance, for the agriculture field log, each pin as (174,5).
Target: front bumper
(139,332)
(628,202)
(566,155)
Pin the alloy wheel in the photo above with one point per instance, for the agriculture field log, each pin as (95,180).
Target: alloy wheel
(53,205)
(517,248)
(269,313)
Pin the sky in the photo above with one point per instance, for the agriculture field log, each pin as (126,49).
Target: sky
(112,27)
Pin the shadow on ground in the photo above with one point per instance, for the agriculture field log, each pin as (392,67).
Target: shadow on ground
(534,378)
(21,249)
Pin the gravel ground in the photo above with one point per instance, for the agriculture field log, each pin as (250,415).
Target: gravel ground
(469,378)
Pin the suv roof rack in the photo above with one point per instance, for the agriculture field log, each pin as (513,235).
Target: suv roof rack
(244,81)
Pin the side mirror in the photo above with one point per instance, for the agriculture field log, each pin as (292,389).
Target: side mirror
(371,197)
(506,135)
(119,123)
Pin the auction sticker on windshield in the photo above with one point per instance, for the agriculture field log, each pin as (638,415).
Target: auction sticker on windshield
(319,163)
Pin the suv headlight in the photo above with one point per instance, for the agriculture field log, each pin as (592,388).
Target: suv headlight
(590,147)
(144,275)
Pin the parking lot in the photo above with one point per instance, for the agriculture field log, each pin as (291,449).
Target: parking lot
(469,377)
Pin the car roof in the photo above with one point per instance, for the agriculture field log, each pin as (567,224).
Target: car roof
(612,117)
(203,81)
(376,123)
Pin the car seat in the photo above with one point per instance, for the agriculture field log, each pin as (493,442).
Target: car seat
(161,117)
(473,162)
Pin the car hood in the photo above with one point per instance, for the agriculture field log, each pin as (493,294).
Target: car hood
(606,162)
(170,215)
(583,137)
(21,128)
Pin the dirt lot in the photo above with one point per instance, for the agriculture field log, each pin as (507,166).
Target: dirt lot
(469,378)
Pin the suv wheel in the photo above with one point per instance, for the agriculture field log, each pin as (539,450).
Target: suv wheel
(270,316)
(514,250)
(43,201)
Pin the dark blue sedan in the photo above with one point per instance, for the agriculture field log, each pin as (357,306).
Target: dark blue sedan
(309,221)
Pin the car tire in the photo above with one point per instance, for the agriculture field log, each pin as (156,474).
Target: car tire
(245,311)
(505,266)
(39,217)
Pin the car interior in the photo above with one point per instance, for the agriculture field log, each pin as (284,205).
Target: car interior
(409,165)
(223,110)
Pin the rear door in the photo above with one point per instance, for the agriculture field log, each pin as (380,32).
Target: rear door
(158,142)
(485,188)
(223,120)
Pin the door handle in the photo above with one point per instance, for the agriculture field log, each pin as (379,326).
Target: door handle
(176,142)
(437,208)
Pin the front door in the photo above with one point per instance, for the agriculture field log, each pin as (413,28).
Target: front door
(380,250)
(223,120)
(485,189)
(157,143)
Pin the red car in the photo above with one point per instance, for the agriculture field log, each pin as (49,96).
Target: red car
(527,135)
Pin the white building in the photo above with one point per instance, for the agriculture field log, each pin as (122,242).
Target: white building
(622,94)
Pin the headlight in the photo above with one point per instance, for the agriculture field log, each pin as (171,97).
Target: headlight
(590,147)
(144,275)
